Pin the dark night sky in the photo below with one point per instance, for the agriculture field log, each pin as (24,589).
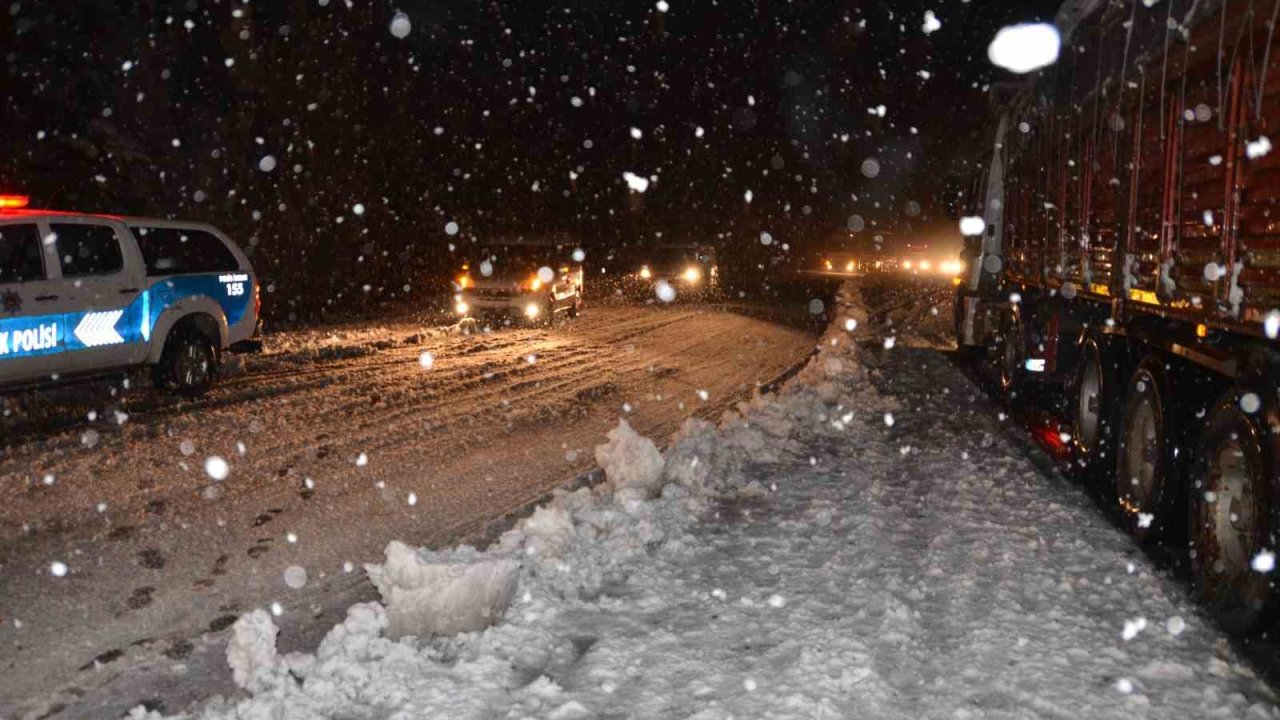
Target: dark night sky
(472,117)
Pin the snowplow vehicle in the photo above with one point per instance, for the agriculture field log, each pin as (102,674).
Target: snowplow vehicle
(520,281)
(85,294)
(1122,250)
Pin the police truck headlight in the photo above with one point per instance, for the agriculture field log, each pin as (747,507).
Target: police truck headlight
(692,274)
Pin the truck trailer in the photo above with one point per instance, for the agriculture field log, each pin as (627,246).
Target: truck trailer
(1128,261)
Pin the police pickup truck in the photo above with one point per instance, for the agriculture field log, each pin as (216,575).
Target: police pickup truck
(84,294)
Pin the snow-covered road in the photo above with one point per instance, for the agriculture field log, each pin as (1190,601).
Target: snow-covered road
(872,544)
(337,441)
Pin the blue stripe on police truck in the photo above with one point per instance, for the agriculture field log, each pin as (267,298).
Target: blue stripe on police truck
(38,335)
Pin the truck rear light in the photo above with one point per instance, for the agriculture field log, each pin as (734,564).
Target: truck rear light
(257,300)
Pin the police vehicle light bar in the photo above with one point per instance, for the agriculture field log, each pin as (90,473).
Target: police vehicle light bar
(13,202)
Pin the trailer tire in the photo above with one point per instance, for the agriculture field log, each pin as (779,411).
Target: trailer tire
(1232,513)
(1094,409)
(1146,477)
(1010,353)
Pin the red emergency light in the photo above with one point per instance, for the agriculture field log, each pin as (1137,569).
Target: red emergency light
(14,202)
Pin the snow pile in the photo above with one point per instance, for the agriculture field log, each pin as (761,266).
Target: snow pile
(441,593)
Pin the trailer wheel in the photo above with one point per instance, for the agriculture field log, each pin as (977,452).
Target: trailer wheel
(1093,407)
(1011,353)
(1145,479)
(1231,515)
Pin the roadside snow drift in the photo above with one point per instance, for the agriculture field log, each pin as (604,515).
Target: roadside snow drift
(800,560)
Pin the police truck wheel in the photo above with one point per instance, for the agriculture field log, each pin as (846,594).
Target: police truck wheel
(1230,516)
(1146,478)
(188,364)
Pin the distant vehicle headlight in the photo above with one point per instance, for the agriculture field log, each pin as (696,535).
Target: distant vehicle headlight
(462,307)
(644,272)
(692,274)
(952,267)
(849,266)
(532,310)
(926,265)
(827,264)
(906,264)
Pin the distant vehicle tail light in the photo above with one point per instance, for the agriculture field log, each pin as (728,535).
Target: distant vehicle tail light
(14,202)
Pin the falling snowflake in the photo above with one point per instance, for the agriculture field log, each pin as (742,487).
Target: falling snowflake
(217,468)
(1264,562)
(58,568)
(1025,47)
(427,360)
(267,163)
(400,25)
(931,22)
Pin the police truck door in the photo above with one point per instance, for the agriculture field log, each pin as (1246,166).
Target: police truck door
(104,275)
(31,306)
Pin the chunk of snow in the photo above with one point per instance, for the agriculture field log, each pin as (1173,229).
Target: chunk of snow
(251,653)
(1025,47)
(629,459)
(267,163)
(442,593)
(58,568)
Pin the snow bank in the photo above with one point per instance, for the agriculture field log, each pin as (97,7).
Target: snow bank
(441,593)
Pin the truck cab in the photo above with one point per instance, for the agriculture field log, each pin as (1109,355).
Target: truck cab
(86,294)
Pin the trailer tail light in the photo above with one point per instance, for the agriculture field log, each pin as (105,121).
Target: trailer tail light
(257,299)
(14,202)
(1202,330)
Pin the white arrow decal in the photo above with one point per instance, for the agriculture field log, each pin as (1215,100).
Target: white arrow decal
(98,329)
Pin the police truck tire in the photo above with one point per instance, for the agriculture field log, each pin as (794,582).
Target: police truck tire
(1147,480)
(188,364)
(1231,512)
